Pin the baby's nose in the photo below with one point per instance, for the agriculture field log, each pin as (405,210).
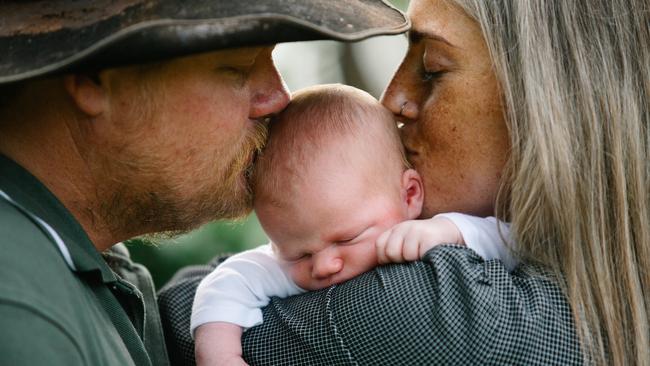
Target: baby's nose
(326,266)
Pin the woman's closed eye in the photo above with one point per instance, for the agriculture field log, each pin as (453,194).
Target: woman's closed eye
(431,76)
(434,65)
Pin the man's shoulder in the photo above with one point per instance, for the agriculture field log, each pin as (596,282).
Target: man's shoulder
(33,273)
(43,300)
(28,255)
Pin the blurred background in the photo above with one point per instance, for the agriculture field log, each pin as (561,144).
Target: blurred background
(368,65)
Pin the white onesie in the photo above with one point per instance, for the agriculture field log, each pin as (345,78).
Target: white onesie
(239,287)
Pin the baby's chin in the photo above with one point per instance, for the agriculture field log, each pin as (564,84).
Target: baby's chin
(314,284)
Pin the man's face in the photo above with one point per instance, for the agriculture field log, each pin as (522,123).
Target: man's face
(179,137)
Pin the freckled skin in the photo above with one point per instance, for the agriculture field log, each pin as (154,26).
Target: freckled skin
(454,127)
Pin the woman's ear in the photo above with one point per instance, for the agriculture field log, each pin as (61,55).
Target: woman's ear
(412,193)
(87,93)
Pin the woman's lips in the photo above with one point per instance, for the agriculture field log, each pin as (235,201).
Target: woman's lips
(410,152)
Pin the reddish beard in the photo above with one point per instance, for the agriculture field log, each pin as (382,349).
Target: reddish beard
(160,210)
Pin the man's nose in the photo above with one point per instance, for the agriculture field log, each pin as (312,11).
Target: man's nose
(269,94)
(326,265)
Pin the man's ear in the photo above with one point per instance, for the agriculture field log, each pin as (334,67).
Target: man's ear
(87,93)
(412,193)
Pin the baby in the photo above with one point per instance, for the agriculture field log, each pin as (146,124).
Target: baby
(336,196)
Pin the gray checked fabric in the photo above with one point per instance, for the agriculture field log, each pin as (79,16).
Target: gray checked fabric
(452,308)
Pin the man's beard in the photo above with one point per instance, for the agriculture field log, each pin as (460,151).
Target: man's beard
(161,210)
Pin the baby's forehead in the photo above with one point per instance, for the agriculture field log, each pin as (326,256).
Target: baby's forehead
(328,136)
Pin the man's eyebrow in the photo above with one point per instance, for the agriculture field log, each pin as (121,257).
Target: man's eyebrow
(417,36)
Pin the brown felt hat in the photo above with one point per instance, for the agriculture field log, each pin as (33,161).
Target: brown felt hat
(40,38)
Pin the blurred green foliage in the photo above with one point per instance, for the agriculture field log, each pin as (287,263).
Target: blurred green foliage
(400,4)
(163,257)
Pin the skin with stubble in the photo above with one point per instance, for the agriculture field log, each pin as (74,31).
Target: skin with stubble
(148,148)
(185,161)
(459,147)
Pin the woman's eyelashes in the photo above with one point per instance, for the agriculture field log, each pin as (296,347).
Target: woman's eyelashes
(434,65)
(431,76)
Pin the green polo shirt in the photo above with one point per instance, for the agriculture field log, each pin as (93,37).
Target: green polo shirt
(60,303)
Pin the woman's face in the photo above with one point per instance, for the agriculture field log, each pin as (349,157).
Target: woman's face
(454,128)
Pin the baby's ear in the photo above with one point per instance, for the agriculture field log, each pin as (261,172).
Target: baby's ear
(412,193)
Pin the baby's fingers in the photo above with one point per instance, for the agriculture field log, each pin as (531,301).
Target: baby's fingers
(380,244)
(411,247)
(394,246)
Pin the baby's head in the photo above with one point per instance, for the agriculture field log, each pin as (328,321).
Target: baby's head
(331,179)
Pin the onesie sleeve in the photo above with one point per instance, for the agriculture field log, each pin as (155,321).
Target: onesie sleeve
(238,288)
(488,237)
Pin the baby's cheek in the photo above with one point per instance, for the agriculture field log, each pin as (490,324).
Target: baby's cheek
(301,274)
(362,258)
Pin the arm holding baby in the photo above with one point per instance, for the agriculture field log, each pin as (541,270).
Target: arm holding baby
(229,300)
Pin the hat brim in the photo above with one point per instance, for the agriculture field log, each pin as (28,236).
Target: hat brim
(144,31)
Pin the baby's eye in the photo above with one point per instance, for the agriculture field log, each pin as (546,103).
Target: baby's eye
(352,239)
(298,258)
(345,241)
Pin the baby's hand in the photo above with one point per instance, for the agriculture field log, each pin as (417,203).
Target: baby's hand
(218,344)
(409,240)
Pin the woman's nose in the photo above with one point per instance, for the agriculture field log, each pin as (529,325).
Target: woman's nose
(326,265)
(269,94)
(400,98)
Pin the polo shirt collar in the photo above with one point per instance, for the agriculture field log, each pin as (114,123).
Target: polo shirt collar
(30,194)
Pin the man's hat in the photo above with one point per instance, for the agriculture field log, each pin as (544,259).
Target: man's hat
(45,37)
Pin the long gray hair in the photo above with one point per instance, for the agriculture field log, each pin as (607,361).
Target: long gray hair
(575,77)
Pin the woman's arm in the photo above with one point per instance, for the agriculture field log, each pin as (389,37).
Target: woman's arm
(451,308)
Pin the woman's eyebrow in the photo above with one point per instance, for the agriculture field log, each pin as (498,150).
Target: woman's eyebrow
(417,36)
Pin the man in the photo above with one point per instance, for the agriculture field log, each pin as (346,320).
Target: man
(120,118)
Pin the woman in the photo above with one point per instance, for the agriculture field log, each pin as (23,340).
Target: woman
(567,165)
(534,111)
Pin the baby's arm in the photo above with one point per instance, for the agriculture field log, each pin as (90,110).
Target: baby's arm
(230,298)
(410,240)
(218,343)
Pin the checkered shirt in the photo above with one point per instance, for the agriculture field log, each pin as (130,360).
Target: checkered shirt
(452,308)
